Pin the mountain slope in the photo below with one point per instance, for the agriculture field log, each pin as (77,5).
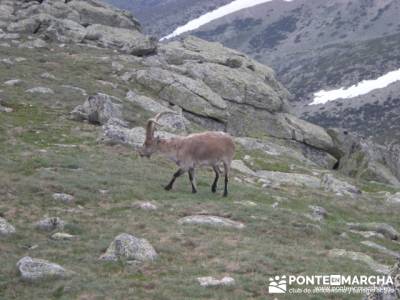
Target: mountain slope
(73,110)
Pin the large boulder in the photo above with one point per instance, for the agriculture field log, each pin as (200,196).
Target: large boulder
(362,158)
(97,109)
(32,269)
(126,246)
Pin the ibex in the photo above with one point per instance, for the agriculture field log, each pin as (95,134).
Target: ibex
(209,148)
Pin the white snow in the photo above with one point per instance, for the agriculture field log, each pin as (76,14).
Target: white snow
(220,12)
(362,88)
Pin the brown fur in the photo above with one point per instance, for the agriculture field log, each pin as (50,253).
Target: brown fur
(209,148)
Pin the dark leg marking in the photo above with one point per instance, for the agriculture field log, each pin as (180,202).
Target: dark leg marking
(191,177)
(178,173)
(214,185)
(226,169)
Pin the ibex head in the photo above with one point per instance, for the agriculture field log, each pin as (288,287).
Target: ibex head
(150,145)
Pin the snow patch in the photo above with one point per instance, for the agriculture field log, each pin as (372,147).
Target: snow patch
(362,88)
(214,15)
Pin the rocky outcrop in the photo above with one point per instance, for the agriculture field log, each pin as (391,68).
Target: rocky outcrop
(361,257)
(362,158)
(129,247)
(387,230)
(77,21)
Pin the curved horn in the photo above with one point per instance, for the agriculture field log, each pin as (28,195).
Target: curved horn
(154,121)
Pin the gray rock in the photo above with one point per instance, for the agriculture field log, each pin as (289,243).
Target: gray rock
(40,90)
(75,88)
(5,109)
(361,257)
(6,228)
(192,95)
(50,224)
(32,269)
(212,282)
(362,158)
(62,236)
(277,179)
(116,66)
(47,75)
(116,134)
(36,43)
(145,205)
(64,198)
(208,220)
(394,199)
(129,247)
(97,109)
(174,121)
(13,82)
(387,230)
(339,187)
(381,249)
(242,168)
(125,40)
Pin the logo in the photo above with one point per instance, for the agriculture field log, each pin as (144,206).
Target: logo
(277,285)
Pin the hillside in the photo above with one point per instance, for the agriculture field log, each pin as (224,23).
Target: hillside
(79,80)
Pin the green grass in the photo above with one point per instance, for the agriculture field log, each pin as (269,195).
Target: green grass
(33,165)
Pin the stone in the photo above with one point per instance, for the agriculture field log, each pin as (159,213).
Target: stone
(240,166)
(47,75)
(13,82)
(129,247)
(381,249)
(64,198)
(208,220)
(212,282)
(6,229)
(387,230)
(145,205)
(277,179)
(50,224)
(62,236)
(362,158)
(32,269)
(5,109)
(393,199)
(40,90)
(97,109)
(36,43)
(361,257)
(116,134)
(339,187)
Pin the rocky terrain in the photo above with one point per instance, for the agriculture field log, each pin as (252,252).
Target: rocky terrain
(83,217)
(315,45)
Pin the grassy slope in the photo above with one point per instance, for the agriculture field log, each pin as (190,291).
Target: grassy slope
(33,166)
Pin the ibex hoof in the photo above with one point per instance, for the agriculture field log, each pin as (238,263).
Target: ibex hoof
(194,191)
(168,188)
